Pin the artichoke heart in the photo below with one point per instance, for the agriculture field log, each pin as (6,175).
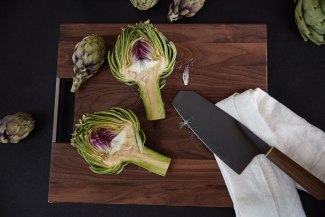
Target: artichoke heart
(109,140)
(142,55)
(310,20)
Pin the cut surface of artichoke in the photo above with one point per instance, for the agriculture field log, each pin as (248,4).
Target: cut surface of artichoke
(146,74)
(124,144)
(142,55)
(109,140)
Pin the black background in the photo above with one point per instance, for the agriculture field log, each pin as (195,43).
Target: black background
(28,59)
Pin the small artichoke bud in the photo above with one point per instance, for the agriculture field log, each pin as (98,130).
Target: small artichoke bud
(144,4)
(15,127)
(88,57)
(184,8)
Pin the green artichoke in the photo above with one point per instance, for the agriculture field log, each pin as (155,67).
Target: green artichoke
(143,56)
(310,19)
(184,8)
(144,4)
(109,140)
(88,56)
(15,127)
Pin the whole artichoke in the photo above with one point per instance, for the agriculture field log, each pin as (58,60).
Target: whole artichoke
(144,4)
(184,8)
(310,19)
(15,127)
(88,56)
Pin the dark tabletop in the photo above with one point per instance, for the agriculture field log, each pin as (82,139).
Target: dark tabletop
(28,60)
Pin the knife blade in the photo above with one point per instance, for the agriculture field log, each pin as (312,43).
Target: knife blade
(234,143)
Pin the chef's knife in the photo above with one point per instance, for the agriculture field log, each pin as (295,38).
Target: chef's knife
(235,144)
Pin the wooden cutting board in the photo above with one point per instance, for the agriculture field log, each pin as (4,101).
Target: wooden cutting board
(223,59)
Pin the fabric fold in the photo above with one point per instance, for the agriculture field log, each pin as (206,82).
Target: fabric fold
(263,189)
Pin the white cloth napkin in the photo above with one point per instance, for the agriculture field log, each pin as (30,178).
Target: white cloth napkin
(263,189)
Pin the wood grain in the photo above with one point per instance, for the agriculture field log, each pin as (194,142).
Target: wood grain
(303,177)
(223,59)
(188,182)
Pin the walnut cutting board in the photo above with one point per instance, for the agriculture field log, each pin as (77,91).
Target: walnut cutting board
(223,59)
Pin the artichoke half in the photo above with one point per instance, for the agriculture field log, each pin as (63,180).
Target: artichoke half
(142,55)
(88,57)
(15,127)
(109,140)
(310,19)
(184,8)
(144,4)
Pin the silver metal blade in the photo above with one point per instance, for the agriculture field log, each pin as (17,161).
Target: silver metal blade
(231,141)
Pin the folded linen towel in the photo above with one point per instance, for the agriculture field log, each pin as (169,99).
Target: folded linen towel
(263,189)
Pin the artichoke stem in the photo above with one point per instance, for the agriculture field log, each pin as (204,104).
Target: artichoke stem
(153,104)
(75,85)
(152,161)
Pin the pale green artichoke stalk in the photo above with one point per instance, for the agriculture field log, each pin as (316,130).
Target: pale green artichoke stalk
(144,4)
(15,127)
(142,55)
(184,8)
(88,57)
(310,19)
(109,140)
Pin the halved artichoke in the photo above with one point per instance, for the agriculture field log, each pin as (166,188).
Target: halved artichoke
(109,140)
(142,55)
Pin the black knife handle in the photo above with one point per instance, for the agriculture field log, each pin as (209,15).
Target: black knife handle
(308,181)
